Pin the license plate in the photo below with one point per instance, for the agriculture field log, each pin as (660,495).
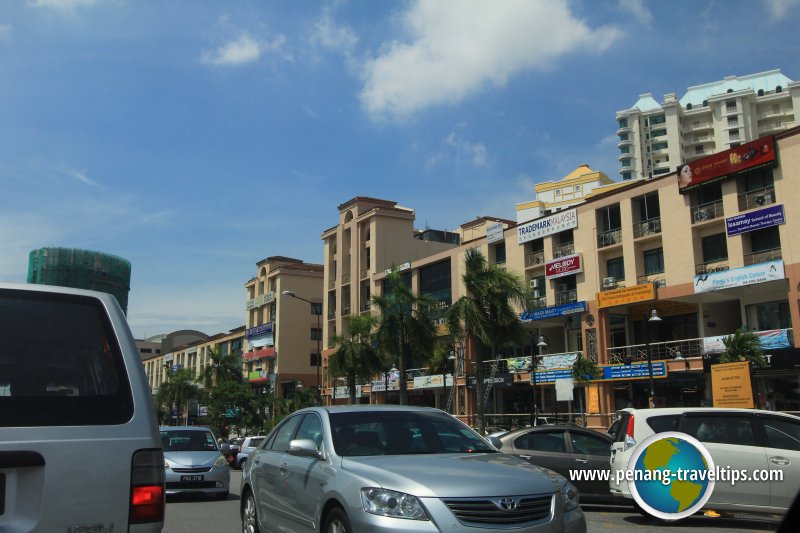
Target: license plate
(191,478)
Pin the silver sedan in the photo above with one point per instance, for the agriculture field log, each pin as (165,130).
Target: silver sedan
(399,469)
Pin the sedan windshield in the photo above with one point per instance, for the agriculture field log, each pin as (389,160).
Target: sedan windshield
(188,441)
(402,433)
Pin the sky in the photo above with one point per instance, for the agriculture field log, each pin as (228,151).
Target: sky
(195,138)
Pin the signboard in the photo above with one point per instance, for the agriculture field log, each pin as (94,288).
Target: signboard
(730,385)
(268,353)
(593,398)
(763,218)
(634,371)
(554,311)
(202,410)
(563,266)
(380,386)
(431,382)
(259,330)
(400,268)
(257,375)
(564,389)
(550,376)
(716,167)
(739,277)
(547,226)
(630,295)
(773,339)
(562,360)
(494,233)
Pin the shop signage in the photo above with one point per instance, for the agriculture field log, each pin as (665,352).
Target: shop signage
(593,398)
(258,375)
(638,293)
(731,386)
(380,386)
(763,218)
(501,380)
(634,371)
(739,277)
(719,166)
(555,311)
(259,330)
(547,226)
(773,339)
(494,233)
(562,360)
(432,381)
(563,266)
(399,268)
(550,376)
(268,353)
(518,365)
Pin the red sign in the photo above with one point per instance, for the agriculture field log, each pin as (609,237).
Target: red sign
(563,266)
(264,352)
(748,156)
(248,356)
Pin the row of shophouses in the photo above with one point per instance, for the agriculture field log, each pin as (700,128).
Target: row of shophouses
(601,259)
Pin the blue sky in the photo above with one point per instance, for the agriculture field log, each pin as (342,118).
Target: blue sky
(195,138)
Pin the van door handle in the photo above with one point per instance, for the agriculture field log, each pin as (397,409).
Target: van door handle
(582,460)
(780,461)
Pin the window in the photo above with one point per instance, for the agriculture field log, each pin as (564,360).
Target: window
(660,146)
(660,424)
(315,360)
(782,434)
(316,309)
(626,175)
(623,123)
(558,192)
(615,268)
(734,135)
(588,445)
(551,441)
(624,150)
(715,248)
(733,121)
(770,315)
(311,429)
(284,434)
(654,261)
(316,334)
(698,149)
(500,253)
(659,133)
(730,107)
(657,119)
(762,240)
(721,429)
(577,188)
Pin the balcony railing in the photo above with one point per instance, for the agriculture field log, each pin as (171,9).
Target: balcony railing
(534,258)
(332,284)
(717,265)
(345,310)
(709,211)
(658,279)
(331,315)
(763,256)
(537,303)
(345,278)
(658,350)
(566,297)
(366,305)
(650,226)
(757,198)
(364,273)
(608,238)
(568,248)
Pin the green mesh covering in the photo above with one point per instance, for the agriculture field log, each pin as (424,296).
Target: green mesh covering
(81,269)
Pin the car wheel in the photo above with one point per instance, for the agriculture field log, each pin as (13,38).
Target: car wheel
(222,495)
(249,515)
(337,522)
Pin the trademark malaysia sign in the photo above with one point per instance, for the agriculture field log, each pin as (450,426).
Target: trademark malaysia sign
(547,226)
(564,266)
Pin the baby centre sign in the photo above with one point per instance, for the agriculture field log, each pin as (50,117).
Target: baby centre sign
(564,266)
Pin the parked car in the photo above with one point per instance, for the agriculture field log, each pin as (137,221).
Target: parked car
(741,438)
(79,444)
(564,448)
(193,462)
(399,469)
(247,446)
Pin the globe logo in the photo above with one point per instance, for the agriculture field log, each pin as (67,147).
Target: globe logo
(668,475)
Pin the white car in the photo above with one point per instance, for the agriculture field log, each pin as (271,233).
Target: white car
(79,443)
(746,439)
(246,447)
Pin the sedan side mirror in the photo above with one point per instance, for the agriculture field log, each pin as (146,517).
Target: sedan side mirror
(494,441)
(305,448)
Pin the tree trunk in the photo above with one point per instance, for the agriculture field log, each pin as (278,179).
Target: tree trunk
(480,387)
(402,378)
(351,386)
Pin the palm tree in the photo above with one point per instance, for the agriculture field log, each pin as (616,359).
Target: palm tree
(743,346)
(486,314)
(222,367)
(355,356)
(179,387)
(406,331)
(583,371)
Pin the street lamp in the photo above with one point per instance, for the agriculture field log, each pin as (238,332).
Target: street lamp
(653,318)
(542,344)
(319,339)
(451,357)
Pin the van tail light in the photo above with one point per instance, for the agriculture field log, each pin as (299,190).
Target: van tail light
(147,487)
(629,440)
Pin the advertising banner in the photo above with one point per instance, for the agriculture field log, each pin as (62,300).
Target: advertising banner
(739,277)
(554,311)
(638,293)
(547,226)
(494,233)
(562,360)
(563,266)
(551,376)
(634,371)
(259,330)
(731,386)
(593,398)
(770,340)
(748,156)
(763,218)
(380,386)
(432,381)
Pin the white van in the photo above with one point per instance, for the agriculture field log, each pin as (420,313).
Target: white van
(747,439)
(79,442)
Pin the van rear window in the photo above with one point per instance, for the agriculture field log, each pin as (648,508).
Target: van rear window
(60,362)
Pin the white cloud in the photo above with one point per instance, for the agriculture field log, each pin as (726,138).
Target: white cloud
(328,35)
(62,5)
(638,10)
(80,176)
(459,148)
(5,32)
(778,8)
(458,48)
(245,49)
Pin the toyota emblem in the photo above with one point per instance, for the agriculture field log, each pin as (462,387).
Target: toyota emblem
(508,504)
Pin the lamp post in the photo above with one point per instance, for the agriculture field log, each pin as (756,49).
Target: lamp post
(653,318)
(451,357)
(319,339)
(542,344)
(393,369)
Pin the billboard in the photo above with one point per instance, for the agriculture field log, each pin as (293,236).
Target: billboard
(716,167)
(547,226)
(563,266)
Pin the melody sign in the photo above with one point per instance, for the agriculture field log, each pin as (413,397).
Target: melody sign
(547,226)
(564,266)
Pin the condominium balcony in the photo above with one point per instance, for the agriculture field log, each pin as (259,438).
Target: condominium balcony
(715,265)
(566,297)
(534,258)
(756,198)
(698,127)
(624,142)
(651,226)
(366,305)
(331,314)
(345,279)
(623,129)
(331,284)
(705,212)
(763,256)
(346,310)
(568,248)
(609,238)
(536,303)
(658,279)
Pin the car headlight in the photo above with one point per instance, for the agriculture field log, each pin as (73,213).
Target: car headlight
(221,461)
(166,465)
(392,503)
(570,496)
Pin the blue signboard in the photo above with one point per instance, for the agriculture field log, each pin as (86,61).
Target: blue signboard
(550,312)
(256,331)
(549,376)
(763,218)
(634,371)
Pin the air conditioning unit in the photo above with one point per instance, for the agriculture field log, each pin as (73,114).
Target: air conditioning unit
(609,282)
(535,283)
